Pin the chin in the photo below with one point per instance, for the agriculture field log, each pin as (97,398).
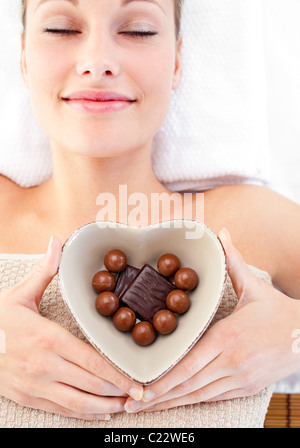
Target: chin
(103,139)
(99,148)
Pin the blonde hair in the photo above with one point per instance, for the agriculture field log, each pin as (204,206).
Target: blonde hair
(178,13)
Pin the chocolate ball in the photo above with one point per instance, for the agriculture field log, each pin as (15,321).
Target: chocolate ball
(178,301)
(103,281)
(107,303)
(124,319)
(186,279)
(115,260)
(164,321)
(168,264)
(143,333)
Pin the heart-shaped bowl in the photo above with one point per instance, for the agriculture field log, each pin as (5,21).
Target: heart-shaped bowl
(197,247)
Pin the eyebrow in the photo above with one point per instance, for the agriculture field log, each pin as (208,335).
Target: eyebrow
(41,2)
(124,3)
(154,2)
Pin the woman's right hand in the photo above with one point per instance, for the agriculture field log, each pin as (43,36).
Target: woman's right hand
(44,366)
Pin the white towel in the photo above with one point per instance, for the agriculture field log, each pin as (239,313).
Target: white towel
(282,33)
(216,131)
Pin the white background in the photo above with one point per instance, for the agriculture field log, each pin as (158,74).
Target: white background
(282,40)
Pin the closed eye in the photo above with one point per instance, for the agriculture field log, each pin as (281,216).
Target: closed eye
(140,34)
(68,32)
(60,31)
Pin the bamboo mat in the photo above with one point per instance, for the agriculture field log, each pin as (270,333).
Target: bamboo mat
(283,411)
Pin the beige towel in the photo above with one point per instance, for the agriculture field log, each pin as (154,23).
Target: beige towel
(246,412)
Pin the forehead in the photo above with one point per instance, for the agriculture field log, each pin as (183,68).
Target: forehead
(76,2)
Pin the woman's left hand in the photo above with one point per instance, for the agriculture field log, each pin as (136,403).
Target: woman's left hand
(239,355)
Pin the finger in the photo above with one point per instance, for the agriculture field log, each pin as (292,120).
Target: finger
(210,374)
(73,375)
(87,357)
(207,349)
(53,408)
(81,402)
(244,282)
(204,394)
(229,395)
(31,289)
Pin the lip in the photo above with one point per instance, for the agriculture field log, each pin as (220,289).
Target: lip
(98,101)
(104,96)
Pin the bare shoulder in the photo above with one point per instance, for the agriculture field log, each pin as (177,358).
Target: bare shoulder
(264,226)
(253,208)
(235,194)
(21,215)
(9,192)
(250,204)
(11,200)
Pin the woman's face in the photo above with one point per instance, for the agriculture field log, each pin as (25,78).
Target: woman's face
(101,72)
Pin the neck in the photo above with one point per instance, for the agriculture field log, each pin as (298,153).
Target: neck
(81,185)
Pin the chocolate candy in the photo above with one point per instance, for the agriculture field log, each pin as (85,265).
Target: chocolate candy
(143,333)
(125,278)
(148,293)
(145,293)
(107,303)
(164,322)
(168,264)
(115,260)
(103,281)
(186,279)
(178,301)
(124,319)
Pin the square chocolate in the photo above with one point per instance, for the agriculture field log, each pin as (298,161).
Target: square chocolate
(147,293)
(125,278)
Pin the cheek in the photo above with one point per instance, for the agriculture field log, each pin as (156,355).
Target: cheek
(46,67)
(45,72)
(155,76)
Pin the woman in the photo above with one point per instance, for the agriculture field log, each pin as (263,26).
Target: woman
(100,75)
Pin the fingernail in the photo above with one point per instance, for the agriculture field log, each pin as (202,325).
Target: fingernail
(52,257)
(224,230)
(136,394)
(148,396)
(149,408)
(49,246)
(103,417)
(132,406)
(46,258)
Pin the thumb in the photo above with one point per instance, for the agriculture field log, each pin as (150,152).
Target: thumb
(32,287)
(243,280)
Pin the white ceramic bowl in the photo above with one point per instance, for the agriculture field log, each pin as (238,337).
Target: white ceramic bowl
(83,255)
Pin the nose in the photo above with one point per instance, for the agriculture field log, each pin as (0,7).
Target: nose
(98,57)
